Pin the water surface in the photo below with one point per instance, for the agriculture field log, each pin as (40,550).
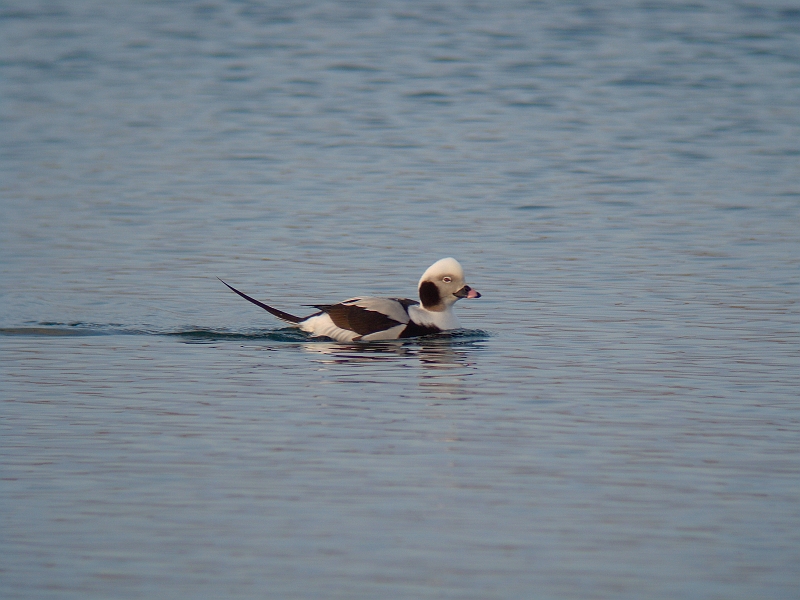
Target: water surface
(619,419)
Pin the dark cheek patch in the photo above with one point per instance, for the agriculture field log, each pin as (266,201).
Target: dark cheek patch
(429,294)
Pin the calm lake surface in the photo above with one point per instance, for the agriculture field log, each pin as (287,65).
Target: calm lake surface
(621,417)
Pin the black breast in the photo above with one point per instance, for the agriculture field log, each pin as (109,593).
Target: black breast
(416,330)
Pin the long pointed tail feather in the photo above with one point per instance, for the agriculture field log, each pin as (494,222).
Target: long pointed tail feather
(273,311)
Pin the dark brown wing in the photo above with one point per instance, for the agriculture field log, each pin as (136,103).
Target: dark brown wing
(405,302)
(358,319)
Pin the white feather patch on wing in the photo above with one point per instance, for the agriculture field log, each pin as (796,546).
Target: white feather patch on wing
(387,306)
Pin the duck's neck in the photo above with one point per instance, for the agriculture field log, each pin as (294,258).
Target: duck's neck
(443,319)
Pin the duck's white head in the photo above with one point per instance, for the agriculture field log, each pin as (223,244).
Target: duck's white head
(443,284)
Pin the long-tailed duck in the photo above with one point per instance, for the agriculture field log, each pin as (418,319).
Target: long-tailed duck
(368,319)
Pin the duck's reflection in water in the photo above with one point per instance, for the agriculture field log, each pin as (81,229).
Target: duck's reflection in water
(444,362)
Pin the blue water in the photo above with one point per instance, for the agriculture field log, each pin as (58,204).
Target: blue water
(620,418)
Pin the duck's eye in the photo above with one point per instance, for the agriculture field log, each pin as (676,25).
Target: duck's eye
(447,279)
